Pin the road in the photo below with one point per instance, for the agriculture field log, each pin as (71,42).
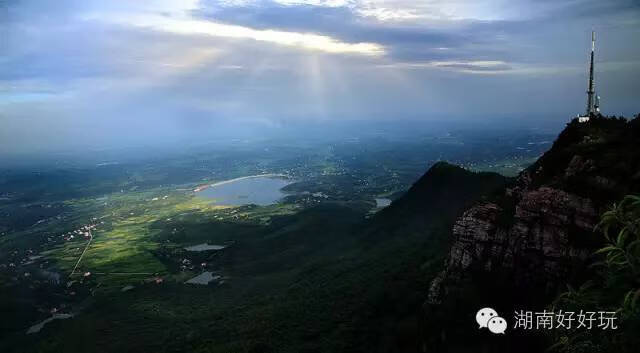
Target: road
(81,255)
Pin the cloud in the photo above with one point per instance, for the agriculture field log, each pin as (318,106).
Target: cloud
(101,72)
(171,17)
(476,67)
(323,3)
(294,39)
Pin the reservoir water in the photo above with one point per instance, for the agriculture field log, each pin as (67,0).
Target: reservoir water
(204,247)
(257,190)
(382,202)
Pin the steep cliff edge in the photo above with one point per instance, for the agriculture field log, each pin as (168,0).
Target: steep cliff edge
(537,235)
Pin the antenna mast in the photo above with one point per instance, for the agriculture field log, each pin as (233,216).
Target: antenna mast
(591,110)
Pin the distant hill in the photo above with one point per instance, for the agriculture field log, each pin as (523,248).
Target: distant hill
(437,198)
(443,189)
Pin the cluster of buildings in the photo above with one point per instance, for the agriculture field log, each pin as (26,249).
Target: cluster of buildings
(84,231)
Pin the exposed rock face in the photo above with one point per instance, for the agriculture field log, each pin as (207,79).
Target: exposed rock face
(474,232)
(534,246)
(535,232)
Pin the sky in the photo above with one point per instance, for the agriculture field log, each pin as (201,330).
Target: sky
(95,74)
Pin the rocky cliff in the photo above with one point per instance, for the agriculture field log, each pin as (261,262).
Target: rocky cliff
(538,233)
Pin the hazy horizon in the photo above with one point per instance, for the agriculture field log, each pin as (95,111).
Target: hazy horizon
(309,135)
(85,75)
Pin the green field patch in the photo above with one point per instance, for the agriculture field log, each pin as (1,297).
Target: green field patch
(126,248)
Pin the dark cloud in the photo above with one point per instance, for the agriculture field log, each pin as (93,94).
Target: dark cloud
(408,41)
(470,39)
(339,22)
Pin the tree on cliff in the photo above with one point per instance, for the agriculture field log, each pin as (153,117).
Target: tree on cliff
(616,286)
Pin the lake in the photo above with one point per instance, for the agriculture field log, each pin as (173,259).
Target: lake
(257,190)
(382,202)
(204,247)
(37,327)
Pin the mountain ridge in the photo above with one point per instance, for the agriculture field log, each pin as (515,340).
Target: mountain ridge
(536,235)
